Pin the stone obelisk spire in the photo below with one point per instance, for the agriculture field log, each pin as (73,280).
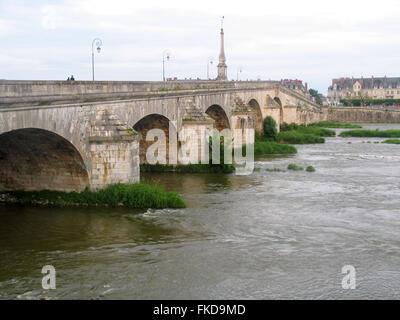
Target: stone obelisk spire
(222,68)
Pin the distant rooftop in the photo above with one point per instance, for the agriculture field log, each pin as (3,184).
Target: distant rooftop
(366,83)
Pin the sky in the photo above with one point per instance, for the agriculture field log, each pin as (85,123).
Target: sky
(310,40)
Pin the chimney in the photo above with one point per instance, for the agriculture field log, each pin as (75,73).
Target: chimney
(306,85)
(372,81)
(385,80)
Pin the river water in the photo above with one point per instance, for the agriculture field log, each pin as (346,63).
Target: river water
(270,235)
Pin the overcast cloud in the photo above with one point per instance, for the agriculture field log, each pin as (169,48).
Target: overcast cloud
(309,40)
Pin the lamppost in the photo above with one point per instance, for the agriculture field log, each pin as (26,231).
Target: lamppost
(239,70)
(166,56)
(209,61)
(98,44)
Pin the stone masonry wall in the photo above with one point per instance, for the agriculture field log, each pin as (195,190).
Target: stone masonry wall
(348,115)
(114,151)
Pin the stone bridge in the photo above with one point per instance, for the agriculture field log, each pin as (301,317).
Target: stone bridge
(67,136)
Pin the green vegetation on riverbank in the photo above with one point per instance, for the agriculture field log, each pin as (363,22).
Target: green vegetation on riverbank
(293,133)
(267,144)
(371,133)
(138,195)
(392,141)
(295,167)
(311,129)
(335,125)
(299,138)
(300,134)
(263,146)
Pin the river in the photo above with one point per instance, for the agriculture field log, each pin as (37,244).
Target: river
(270,235)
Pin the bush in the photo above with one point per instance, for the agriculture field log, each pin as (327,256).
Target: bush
(270,128)
(299,138)
(321,132)
(292,166)
(138,195)
(287,127)
(270,147)
(300,134)
(310,169)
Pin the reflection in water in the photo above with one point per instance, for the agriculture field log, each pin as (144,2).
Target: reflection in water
(197,183)
(267,235)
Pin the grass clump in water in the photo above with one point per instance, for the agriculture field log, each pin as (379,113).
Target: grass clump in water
(295,167)
(310,169)
(270,147)
(300,134)
(311,129)
(299,138)
(335,125)
(321,132)
(138,195)
(371,133)
(392,141)
(274,170)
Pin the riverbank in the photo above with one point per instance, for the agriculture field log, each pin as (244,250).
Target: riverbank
(138,195)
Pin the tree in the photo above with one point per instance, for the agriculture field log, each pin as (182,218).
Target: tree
(270,130)
(316,95)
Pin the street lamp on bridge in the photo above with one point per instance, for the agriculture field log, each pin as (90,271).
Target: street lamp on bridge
(166,57)
(239,70)
(98,44)
(209,62)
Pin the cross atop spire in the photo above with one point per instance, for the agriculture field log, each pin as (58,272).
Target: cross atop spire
(222,67)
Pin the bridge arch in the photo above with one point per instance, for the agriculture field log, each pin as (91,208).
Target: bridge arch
(218,114)
(258,121)
(281,117)
(149,122)
(37,159)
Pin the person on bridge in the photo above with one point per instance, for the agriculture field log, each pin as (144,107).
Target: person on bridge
(72,78)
